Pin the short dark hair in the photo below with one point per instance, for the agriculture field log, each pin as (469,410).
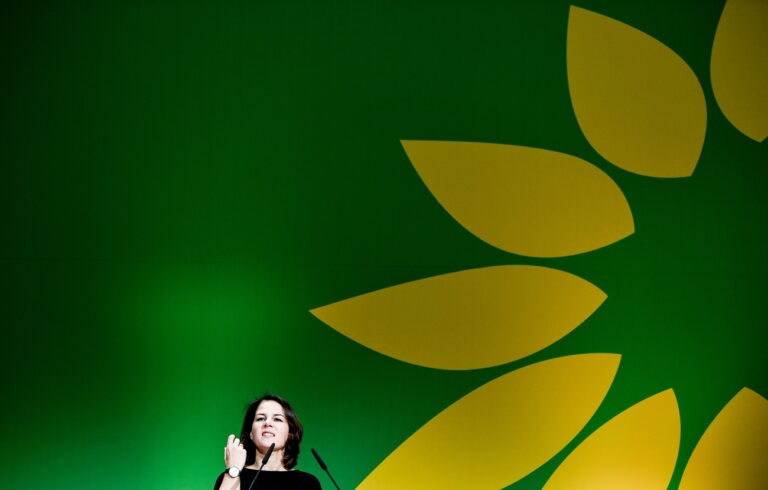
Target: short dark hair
(295,431)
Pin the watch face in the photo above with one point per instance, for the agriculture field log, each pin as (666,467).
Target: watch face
(233,471)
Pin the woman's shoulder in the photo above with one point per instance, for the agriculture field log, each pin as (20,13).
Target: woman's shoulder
(308,479)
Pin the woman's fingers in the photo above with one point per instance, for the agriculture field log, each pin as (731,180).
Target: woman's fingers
(234,452)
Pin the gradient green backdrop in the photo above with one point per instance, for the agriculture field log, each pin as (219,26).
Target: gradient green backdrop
(183,181)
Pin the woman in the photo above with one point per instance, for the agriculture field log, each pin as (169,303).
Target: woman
(269,420)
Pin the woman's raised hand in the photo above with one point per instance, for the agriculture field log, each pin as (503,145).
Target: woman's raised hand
(234,453)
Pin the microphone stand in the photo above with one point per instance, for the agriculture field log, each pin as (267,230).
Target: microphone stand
(325,468)
(263,462)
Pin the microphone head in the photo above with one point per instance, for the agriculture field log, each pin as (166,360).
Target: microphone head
(319,460)
(268,454)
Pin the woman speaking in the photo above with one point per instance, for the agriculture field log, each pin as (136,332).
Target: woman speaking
(268,420)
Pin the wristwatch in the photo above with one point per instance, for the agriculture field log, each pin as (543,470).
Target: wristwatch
(234,472)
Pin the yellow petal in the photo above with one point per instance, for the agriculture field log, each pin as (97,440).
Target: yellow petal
(636,450)
(732,452)
(637,102)
(740,66)
(524,200)
(467,320)
(503,430)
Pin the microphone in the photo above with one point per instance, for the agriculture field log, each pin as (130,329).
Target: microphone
(263,462)
(325,468)
(266,456)
(320,461)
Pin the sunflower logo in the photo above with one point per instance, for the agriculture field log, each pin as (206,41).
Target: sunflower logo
(642,108)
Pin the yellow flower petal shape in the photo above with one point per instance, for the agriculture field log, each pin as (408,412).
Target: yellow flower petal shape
(740,66)
(636,450)
(732,452)
(637,102)
(524,200)
(509,427)
(467,320)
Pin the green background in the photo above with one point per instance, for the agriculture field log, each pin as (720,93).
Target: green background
(183,181)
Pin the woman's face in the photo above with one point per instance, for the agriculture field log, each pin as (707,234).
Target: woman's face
(269,426)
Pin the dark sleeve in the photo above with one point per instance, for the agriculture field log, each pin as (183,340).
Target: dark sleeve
(312,483)
(218,481)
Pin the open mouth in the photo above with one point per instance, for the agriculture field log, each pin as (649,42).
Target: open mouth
(267,434)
